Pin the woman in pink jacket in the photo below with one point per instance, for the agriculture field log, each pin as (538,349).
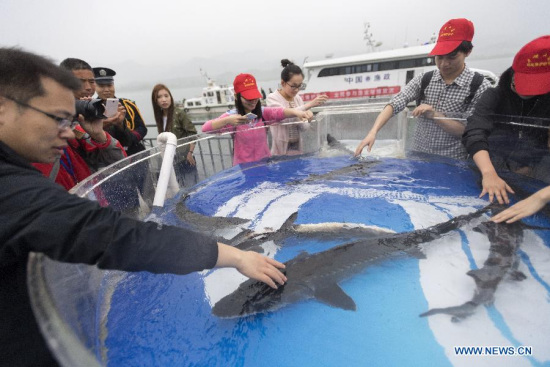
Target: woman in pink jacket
(250,144)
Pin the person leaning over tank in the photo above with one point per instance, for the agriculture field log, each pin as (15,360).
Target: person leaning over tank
(248,120)
(287,139)
(130,129)
(447,93)
(36,108)
(521,96)
(92,148)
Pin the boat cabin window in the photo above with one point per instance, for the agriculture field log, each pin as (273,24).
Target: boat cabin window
(197,103)
(190,104)
(389,65)
(406,64)
(210,94)
(377,66)
(365,68)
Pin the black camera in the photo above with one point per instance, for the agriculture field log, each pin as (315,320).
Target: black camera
(91,110)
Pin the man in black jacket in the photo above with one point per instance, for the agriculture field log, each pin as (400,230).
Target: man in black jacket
(511,121)
(36,110)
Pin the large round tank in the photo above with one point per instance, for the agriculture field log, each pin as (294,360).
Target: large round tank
(390,261)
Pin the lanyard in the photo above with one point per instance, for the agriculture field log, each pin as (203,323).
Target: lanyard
(68,166)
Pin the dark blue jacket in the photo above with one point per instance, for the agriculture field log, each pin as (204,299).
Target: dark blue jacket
(500,122)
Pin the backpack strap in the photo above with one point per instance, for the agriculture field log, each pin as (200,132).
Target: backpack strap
(426,78)
(476,82)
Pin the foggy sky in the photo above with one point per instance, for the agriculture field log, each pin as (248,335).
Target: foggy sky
(147,40)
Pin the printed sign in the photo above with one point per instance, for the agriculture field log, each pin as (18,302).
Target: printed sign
(355,93)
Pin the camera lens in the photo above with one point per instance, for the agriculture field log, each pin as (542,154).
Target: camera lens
(91,110)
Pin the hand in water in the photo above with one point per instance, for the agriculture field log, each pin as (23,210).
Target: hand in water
(524,208)
(368,142)
(496,188)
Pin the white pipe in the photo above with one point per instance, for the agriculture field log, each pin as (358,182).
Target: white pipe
(167,142)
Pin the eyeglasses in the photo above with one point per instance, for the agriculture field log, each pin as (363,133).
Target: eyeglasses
(295,87)
(62,122)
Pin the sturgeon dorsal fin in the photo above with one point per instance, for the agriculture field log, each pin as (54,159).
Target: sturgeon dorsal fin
(335,296)
(289,221)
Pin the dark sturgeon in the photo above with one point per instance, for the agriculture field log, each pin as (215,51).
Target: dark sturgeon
(505,240)
(358,169)
(334,143)
(319,231)
(250,240)
(205,223)
(317,275)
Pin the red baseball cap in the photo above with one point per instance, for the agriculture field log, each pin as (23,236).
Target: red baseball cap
(245,84)
(452,34)
(532,68)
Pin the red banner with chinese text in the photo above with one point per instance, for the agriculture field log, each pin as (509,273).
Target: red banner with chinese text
(354,93)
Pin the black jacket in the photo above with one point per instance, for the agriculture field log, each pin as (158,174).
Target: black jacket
(133,130)
(39,215)
(491,127)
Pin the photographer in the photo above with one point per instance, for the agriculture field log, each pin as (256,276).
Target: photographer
(92,148)
(83,71)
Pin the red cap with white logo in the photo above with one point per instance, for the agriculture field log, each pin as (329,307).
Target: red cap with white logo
(532,68)
(452,34)
(245,84)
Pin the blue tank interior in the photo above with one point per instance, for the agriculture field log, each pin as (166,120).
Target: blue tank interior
(143,319)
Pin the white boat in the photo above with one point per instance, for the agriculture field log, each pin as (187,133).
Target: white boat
(370,75)
(214,98)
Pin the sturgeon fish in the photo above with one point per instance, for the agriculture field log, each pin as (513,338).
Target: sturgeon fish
(505,240)
(317,275)
(334,143)
(246,239)
(321,231)
(358,169)
(205,223)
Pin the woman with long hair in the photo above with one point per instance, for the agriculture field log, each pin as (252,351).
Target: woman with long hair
(171,119)
(286,139)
